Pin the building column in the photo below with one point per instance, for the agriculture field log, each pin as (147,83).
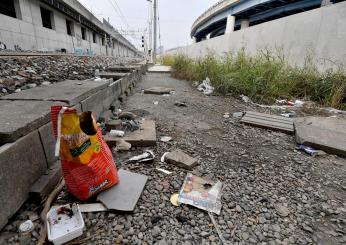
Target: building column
(244,23)
(326,2)
(230,24)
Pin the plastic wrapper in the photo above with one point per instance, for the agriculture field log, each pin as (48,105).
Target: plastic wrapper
(201,193)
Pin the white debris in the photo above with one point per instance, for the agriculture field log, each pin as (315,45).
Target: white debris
(205,87)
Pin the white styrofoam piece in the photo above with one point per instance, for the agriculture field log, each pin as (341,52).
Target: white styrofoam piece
(62,228)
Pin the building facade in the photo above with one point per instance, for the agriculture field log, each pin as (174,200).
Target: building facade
(58,26)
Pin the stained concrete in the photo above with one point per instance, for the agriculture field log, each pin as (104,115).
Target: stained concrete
(327,134)
(180,159)
(21,164)
(19,118)
(70,91)
(124,195)
(114,75)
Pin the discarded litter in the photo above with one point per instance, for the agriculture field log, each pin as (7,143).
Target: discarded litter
(245,98)
(201,193)
(145,157)
(311,151)
(175,199)
(205,87)
(165,138)
(164,171)
(86,159)
(26,226)
(288,114)
(238,114)
(180,104)
(92,207)
(226,115)
(130,125)
(116,133)
(164,156)
(64,223)
(97,73)
(155,102)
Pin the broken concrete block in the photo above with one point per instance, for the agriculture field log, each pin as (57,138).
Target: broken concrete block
(46,184)
(70,91)
(158,90)
(268,121)
(180,159)
(327,134)
(113,124)
(125,194)
(145,136)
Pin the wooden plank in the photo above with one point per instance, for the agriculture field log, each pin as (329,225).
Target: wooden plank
(269,115)
(269,122)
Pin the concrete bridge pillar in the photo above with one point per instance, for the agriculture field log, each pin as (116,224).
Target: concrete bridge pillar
(244,23)
(194,40)
(230,24)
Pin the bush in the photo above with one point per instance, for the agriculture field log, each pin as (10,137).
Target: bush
(265,77)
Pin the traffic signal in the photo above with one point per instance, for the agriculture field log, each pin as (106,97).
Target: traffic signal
(142,41)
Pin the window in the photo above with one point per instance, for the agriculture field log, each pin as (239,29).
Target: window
(7,8)
(94,37)
(83,33)
(46,16)
(69,28)
(103,41)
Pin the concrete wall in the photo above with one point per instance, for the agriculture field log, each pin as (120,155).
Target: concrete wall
(320,32)
(27,32)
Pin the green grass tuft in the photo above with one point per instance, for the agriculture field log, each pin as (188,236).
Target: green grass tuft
(265,77)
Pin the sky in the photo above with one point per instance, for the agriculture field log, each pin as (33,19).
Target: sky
(176,18)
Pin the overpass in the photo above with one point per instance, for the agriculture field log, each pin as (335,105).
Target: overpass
(230,15)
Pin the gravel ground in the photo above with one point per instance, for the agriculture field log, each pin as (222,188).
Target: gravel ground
(272,194)
(20,73)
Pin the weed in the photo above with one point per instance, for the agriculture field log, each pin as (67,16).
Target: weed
(265,77)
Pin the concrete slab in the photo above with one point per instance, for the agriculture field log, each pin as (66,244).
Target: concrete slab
(21,164)
(95,103)
(46,184)
(327,134)
(158,90)
(114,75)
(124,196)
(47,138)
(145,136)
(268,121)
(160,69)
(70,91)
(180,159)
(19,118)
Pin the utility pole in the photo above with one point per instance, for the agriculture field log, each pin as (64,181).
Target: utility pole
(155,31)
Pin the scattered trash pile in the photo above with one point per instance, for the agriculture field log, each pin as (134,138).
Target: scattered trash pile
(314,135)
(91,176)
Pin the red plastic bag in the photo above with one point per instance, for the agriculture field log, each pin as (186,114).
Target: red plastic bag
(86,161)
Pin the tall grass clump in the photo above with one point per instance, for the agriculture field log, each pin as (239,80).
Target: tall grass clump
(265,77)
